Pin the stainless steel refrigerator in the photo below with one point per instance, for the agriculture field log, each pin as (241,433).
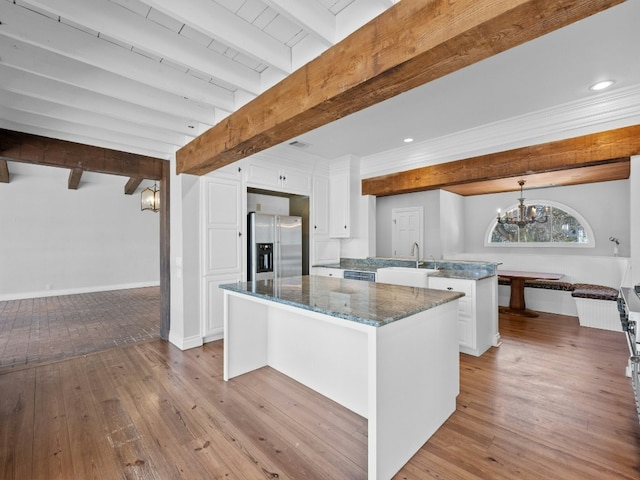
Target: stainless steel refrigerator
(274,246)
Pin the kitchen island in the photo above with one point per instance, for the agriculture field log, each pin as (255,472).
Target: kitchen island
(386,352)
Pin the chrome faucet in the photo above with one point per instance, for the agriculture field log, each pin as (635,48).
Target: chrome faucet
(415,249)
(435,262)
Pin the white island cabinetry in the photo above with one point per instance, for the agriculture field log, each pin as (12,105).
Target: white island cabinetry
(374,354)
(477,311)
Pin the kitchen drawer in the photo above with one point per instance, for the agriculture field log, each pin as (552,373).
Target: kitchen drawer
(455,284)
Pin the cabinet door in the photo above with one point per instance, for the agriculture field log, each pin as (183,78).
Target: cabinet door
(264,175)
(339,221)
(466,306)
(294,181)
(320,202)
(213,328)
(223,226)
(221,249)
(466,323)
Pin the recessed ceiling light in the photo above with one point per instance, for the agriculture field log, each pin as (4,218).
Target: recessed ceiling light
(601,85)
(408,140)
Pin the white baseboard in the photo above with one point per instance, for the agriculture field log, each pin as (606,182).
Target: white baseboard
(213,337)
(185,343)
(74,291)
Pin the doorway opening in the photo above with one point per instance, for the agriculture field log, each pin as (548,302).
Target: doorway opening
(280,203)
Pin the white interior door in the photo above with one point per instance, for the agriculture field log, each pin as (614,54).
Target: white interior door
(407,229)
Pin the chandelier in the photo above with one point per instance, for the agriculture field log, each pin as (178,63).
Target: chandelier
(521,219)
(150,199)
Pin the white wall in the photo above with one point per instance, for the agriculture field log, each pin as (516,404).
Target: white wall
(452,223)
(604,205)
(455,224)
(430,201)
(267,204)
(634,221)
(56,241)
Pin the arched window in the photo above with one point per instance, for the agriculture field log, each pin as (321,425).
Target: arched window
(564,228)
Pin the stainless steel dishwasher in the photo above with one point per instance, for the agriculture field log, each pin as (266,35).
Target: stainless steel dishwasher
(360,275)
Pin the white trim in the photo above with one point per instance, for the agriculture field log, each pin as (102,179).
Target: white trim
(591,242)
(73,291)
(185,343)
(597,113)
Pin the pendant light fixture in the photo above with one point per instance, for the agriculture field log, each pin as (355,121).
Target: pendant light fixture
(520,218)
(150,198)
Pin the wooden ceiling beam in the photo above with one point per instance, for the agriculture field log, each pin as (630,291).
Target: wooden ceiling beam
(132,185)
(410,44)
(612,146)
(75,174)
(24,147)
(4,172)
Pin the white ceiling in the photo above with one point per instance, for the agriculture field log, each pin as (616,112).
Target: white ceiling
(148,76)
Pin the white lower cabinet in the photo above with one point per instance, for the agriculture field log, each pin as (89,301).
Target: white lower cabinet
(327,272)
(477,311)
(213,328)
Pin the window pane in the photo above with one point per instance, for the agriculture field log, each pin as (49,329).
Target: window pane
(560,227)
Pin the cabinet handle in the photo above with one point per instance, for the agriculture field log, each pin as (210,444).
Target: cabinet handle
(280,177)
(239,169)
(315,227)
(345,227)
(239,234)
(449,288)
(284,178)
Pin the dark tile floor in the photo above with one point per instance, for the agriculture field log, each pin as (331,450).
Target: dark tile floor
(46,329)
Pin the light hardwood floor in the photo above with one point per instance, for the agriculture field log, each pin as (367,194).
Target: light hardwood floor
(551,403)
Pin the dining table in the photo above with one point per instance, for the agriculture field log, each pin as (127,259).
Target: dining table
(517,305)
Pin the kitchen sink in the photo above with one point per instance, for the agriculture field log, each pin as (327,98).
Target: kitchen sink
(411,277)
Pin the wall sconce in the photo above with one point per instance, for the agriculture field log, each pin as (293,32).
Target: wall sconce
(150,198)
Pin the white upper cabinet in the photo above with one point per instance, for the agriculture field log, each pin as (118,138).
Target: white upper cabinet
(344,190)
(223,224)
(320,205)
(324,250)
(274,176)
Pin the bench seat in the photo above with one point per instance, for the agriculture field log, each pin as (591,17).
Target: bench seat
(594,303)
(550,285)
(597,306)
(596,292)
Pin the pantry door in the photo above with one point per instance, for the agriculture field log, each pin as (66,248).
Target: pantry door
(407,229)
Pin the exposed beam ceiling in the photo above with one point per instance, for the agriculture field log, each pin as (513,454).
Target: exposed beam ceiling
(4,172)
(412,43)
(147,76)
(586,159)
(75,174)
(23,147)
(99,74)
(132,185)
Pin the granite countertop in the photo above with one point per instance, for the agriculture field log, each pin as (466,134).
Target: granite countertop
(465,270)
(463,274)
(370,303)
